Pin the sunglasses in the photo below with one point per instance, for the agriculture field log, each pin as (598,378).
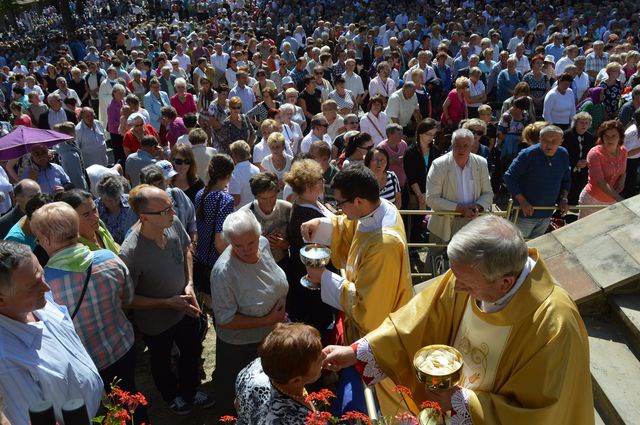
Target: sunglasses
(182,161)
(235,107)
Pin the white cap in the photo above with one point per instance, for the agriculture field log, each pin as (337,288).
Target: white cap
(167,169)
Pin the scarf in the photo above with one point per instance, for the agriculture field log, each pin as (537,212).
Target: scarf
(75,258)
(105,236)
(594,95)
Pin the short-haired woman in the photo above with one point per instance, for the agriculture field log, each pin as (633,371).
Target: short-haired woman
(377,160)
(235,127)
(113,121)
(74,270)
(113,205)
(607,162)
(278,162)
(93,232)
(271,389)
(249,291)
(376,120)
(304,305)
(454,108)
(272,214)
(182,101)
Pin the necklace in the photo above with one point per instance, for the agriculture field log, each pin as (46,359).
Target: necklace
(299,398)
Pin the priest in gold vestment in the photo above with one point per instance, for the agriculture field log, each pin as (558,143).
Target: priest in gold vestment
(368,241)
(525,347)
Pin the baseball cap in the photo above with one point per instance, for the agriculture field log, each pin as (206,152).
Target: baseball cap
(287,80)
(167,169)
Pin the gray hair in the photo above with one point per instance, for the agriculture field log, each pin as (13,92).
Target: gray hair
(551,129)
(240,222)
(584,115)
(119,88)
(492,244)
(461,133)
(53,96)
(287,107)
(12,256)
(112,187)
(391,127)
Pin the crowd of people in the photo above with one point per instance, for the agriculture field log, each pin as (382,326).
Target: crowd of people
(211,140)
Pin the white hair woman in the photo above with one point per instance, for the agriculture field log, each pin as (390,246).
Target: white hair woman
(248,291)
(93,285)
(113,121)
(183,101)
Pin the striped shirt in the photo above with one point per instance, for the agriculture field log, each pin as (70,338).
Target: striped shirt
(392,187)
(100,323)
(45,360)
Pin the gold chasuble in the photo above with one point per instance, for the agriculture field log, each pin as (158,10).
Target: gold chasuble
(373,252)
(527,364)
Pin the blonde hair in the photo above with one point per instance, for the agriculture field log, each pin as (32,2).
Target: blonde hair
(235,101)
(531,133)
(57,221)
(613,67)
(462,83)
(275,138)
(269,126)
(240,150)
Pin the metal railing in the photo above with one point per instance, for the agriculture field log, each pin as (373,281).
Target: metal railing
(511,213)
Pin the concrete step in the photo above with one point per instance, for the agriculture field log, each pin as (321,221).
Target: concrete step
(626,310)
(615,373)
(599,420)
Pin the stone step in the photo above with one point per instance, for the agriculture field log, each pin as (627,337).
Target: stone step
(626,310)
(599,420)
(615,373)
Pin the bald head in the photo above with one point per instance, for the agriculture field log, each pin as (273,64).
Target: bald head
(24,190)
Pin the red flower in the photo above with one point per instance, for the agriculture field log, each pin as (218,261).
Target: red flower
(321,397)
(356,416)
(227,419)
(318,418)
(402,390)
(430,405)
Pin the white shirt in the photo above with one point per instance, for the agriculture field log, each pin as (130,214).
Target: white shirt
(353,83)
(310,138)
(464,184)
(401,108)
(219,62)
(69,93)
(36,88)
(386,89)
(489,307)
(559,108)
(476,90)
(203,154)
(45,360)
(261,150)
(5,189)
(427,73)
(523,64)
(239,184)
(375,126)
(581,84)
(183,60)
(631,140)
(562,63)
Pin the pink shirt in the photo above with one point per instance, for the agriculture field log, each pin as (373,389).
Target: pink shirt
(603,166)
(456,107)
(395,153)
(188,107)
(113,116)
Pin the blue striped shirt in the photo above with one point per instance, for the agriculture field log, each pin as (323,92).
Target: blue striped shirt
(45,360)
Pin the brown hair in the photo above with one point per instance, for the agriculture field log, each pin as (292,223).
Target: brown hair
(187,153)
(303,174)
(289,351)
(610,125)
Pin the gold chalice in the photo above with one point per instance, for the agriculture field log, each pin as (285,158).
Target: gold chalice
(438,366)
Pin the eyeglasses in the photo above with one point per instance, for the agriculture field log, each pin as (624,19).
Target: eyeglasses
(323,125)
(166,211)
(339,204)
(182,161)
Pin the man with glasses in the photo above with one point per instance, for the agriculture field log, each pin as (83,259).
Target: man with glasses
(158,256)
(319,125)
(369,242)
(56,114)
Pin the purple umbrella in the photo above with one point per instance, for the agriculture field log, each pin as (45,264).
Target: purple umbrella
(21,139)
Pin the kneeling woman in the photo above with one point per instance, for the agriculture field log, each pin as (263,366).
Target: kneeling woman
(272,388)
(248,291)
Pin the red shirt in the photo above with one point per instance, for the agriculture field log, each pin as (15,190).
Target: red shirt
(132,143)
(24,119)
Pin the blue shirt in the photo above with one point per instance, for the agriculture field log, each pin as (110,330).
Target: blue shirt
(246,95)
(45,360)
(539,178)
(217,206)
(16,234)
(556,51)
(52,176)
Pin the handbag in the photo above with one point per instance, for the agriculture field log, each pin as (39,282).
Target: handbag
(84,291)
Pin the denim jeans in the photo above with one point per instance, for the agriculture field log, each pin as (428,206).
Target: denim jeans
(533,227)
